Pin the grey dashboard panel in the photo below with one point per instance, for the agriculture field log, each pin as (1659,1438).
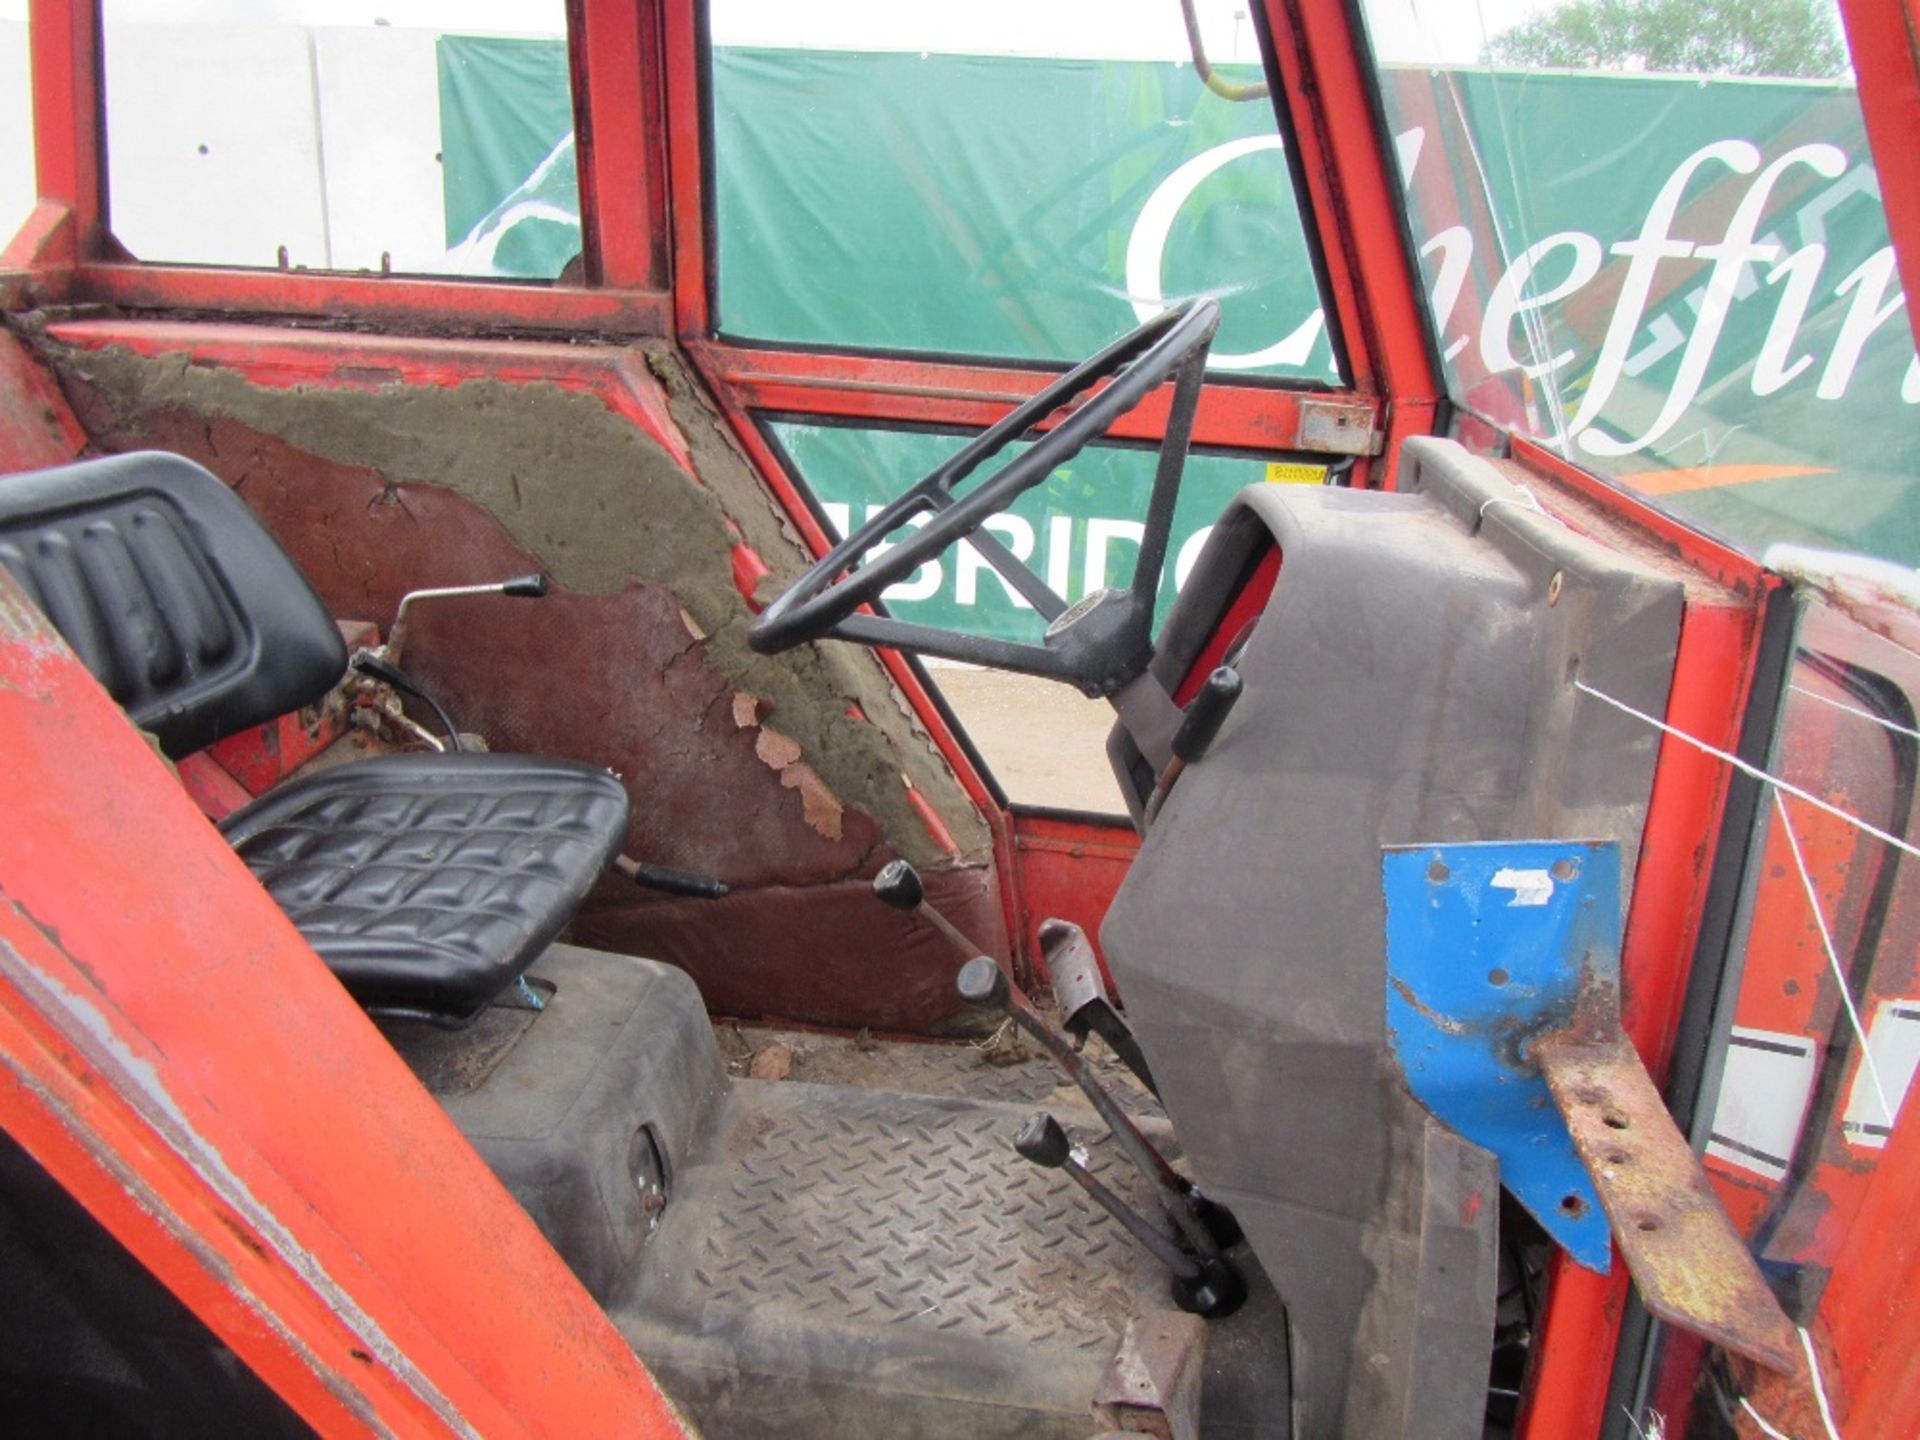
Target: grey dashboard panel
(1411,680)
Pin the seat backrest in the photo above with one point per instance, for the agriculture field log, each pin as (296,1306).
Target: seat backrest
(175,596)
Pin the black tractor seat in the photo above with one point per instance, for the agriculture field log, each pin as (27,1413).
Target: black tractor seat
(428,883)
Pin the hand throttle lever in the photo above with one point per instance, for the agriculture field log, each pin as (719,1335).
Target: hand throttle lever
(671,881)
(1206,713)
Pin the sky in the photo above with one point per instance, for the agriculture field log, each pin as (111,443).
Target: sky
(1407,31)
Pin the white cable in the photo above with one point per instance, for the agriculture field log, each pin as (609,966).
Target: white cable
(1879,720)
(1819,1386)
(1833,957)
(1761,1421)
(1532,502)
(1786,786)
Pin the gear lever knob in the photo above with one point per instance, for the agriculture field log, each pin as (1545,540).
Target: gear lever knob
(1042,1141)
(982,982)
(898,885)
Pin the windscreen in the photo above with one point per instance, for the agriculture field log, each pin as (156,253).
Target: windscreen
(1650,235)
(1014,179)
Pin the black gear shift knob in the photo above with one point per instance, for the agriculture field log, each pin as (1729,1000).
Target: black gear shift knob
(1042,1141)
(898,885)
(982,982)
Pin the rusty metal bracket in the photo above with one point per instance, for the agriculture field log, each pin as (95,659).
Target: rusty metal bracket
(1153,1385)
(1503,1009)
(1336,427)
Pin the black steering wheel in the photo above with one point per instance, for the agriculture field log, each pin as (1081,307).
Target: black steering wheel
(1099,644)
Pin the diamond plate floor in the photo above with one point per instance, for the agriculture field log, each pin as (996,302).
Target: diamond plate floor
(1009,1068)
(842,1262)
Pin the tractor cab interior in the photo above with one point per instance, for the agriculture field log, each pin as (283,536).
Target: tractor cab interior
(624,816)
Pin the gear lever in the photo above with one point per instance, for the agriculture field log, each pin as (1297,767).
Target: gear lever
(898,887)
(984,983)
(1208,1286)
(1206,1226)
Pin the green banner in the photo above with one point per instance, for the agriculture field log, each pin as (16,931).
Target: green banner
(1685,283)
(1079,531)
(1031,209)
(507,167)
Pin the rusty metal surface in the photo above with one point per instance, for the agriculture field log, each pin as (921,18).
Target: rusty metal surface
(1334,427)
(1153,1385)
(1691,1267)
(36,426)
(1072,966)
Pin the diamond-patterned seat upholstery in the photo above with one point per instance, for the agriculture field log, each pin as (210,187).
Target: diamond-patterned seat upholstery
(427,882)
(431,881)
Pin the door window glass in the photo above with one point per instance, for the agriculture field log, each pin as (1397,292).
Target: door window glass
(1651,234)
(17,188)
(423,136)
(1021,179)
(1079,531)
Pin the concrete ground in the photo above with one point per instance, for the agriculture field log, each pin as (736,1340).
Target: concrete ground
(1044,741)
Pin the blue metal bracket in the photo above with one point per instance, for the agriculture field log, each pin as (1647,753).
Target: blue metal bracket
(1487,947)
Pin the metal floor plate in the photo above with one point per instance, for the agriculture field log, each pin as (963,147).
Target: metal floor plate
(844,1262)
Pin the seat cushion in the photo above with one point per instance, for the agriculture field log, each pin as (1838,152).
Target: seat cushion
(429,882)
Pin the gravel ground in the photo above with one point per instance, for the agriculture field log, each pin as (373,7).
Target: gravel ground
(1045,742)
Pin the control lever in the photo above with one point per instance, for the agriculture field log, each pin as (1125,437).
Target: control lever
(1081,990)
(1206,1226)
(524,587)
(672,882)
(1206,712)
(984,983)
(1208,1287)
(898,887)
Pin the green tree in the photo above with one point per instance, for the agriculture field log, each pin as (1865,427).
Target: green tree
(1695,37)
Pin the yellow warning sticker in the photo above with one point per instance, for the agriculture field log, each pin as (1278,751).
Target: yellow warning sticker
(1283,472)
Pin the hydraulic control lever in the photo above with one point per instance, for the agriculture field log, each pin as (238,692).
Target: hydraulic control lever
(382,663)
(1205,1285)
(524,587)
(1206,1226)
(671,881)
(898,887)
(1205,714)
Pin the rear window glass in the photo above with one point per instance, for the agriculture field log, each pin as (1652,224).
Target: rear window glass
(1013,180)
(1651,235)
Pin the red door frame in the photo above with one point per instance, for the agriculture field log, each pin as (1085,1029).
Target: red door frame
(322,1216)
